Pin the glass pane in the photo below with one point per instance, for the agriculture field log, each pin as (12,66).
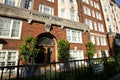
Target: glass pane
(4,26)
(10,2)
(15,28)
(45,41)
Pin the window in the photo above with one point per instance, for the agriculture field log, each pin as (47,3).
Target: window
(51,0)
(86,1)
(76,54)
(96,5)
(98,16)
(100,27)
(92,39)
(10,28)
(117,41)
(91,2)
(89,23)
(95,26)
(97,40)
(99,54)
(62,1)
(72,14)
(74,35)
(103,41)
(87,11)
(46,9)
(71,1)
(107,18)
(62,13)
(8,57)
(109,28)
(28,4)
(93,13)
(10,2)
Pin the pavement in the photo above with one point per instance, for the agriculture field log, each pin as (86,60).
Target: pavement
(117,77)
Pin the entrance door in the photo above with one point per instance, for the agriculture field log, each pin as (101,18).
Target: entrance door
(46,53)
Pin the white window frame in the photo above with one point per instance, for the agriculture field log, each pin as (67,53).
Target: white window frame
(43,7)
(76,54)
(72,15)
(16,1)
(6,59)
(103,40)
(50,0)
(95,26)
(100,27)
(92,39)
(62,1)
(63,13)
(97,40)
(86,1)
(99,54)
(87,11)
(93,13)
(74,36)
(11,27)
(89,23)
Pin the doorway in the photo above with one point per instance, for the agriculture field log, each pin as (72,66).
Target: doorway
(47,50)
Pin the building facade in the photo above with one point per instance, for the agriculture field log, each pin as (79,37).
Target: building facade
(78,21)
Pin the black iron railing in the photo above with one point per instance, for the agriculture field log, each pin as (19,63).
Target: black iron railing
(87,69)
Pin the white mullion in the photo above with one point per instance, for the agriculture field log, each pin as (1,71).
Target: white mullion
(16,1)
(6,58)
(20,28)
(10,32)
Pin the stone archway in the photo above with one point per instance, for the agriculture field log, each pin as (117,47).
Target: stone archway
(46,44)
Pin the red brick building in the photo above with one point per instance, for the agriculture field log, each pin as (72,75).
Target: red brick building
(42,20)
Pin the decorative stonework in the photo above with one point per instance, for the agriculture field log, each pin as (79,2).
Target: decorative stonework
(16,12)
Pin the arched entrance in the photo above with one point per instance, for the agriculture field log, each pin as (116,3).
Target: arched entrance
(46,44)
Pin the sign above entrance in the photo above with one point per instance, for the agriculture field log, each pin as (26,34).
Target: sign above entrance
(21,13)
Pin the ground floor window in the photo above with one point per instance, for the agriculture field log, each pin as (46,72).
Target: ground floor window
(102,53)
(76,54)
(8,57)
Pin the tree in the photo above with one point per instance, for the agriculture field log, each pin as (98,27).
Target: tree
(90,50)
(28,50)
(63,50)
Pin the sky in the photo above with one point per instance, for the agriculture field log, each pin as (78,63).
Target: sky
(118,1)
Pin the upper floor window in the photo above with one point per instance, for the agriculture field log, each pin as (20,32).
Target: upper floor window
(10,28)
(46,9)
(100,27)
(103,40)
(86,1)
(97,40)
(10,2)
(96,5)
(74,35)
(72,1)
(72,14)
(93,13)
(95,26)
(62,1)
(87,11)
(89,23)
(51,0)
(91,2)
(92,39)
(98,16)
(62,13)
(28,4)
